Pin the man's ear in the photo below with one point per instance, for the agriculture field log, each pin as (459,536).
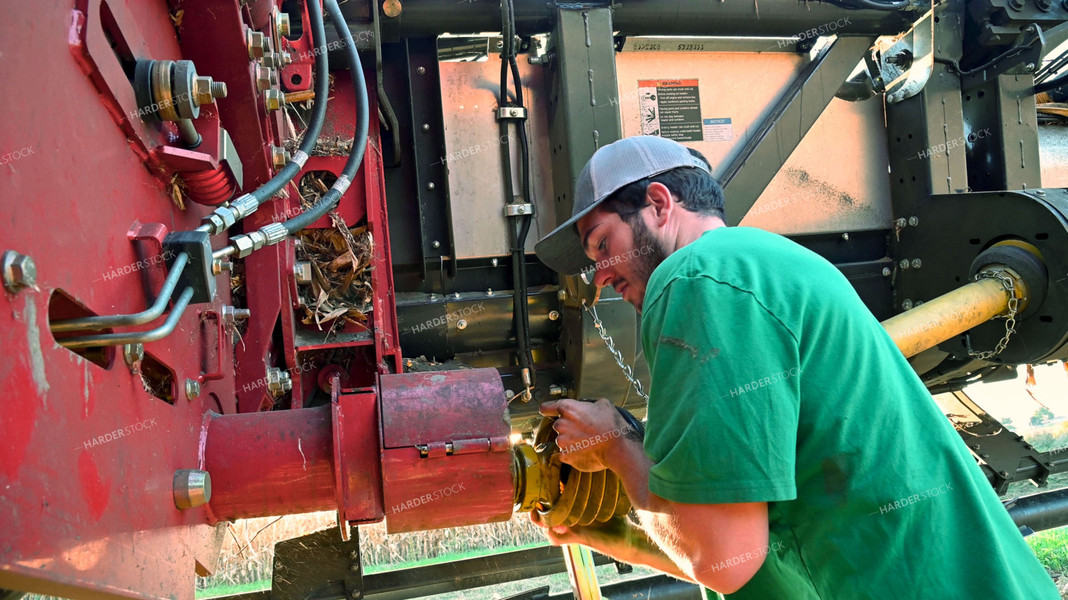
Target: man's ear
(659,196)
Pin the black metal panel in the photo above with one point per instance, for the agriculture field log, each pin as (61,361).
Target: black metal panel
(431,176)
(953,229)
(318,566)
(1002,139)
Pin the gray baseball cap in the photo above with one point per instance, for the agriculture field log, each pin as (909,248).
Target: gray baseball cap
(609,169)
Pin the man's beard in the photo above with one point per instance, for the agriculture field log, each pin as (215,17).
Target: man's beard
(650,251)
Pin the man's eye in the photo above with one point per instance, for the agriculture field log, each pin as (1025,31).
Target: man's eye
(602,245)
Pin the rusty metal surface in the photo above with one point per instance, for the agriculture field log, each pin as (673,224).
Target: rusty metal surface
(460,419)
(443,406)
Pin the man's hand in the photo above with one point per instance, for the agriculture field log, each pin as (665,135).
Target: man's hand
(613,538)
(586,432)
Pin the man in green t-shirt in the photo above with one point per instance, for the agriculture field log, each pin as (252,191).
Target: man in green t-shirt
(790,450)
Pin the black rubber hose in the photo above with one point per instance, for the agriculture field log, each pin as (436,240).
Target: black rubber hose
(1051,84)
(359,144)
(318,116)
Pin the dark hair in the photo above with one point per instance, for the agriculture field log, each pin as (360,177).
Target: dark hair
(694,189)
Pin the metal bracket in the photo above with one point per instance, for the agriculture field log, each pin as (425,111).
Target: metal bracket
(518,113)
(918,47)
(519,210)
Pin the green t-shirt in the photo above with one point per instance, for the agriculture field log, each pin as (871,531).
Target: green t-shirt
(772,382)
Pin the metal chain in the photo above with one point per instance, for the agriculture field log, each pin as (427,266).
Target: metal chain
(1010,322)
(628,372)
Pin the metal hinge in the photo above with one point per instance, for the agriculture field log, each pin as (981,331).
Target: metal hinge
(468,446)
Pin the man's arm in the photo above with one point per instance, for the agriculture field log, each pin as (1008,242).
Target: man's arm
(720,546)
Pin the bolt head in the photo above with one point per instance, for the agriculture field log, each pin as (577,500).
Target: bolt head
(886,271)
(904,264)
(436,244)
(279,156)
(914,221)
(281,23)
(133,353)
(19,271)
(461,324)
(431,186)
(243,244)
(255,40)
(494,262)
(421,70)
(916,263)
(426,126)
(273,100)
(192,389)
(264,78)
(191,488)
(1029,67)
(554,315)
(907,304)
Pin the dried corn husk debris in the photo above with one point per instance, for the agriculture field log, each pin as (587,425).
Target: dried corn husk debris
(341,263)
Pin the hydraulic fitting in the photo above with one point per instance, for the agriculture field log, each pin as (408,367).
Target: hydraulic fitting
(224,217)
(267,236)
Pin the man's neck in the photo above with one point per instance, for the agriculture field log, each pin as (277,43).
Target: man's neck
(691,229)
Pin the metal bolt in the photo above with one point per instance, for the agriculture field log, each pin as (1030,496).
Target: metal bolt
(232,314)
(436,244)
(556,390)
(1029,67)
(456,295)
(255,41)
(266,78)
(279,156)
(133,353)
(421,70)
(281,22)
(19,271)
(914,221)
(426,126)
(489,292)
(907,304)
(845,237)
(273,100)
(900,223)
(461,324)
(278,382)
(287,59)
(192,389)
(916,263)
(191,488)
(554,315)
(561,294)
(886,271)
(206,90)
(1016,4)
(354,555)
(493,262)
(431,186)
(508,394)
(355,569)
(272,59)
(904,264)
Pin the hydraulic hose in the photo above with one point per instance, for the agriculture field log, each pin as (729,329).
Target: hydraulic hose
(359,145)
(225,216)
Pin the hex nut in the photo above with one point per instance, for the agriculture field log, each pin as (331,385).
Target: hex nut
(278,381)
(19,271)
(192,389)
(279,156)
(243,245)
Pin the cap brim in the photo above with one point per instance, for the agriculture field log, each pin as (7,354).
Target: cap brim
(562,249)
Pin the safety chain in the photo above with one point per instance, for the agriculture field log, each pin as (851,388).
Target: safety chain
(1010,322)
(628,372)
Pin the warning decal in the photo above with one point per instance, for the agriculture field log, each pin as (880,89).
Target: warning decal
(671,108)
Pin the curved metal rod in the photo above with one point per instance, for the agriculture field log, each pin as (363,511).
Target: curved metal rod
(134,337)
(150,314)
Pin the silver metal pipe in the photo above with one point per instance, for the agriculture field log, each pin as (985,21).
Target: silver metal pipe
(134,337)
(150,314)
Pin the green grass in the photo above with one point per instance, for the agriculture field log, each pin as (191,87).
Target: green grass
(1051,547)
